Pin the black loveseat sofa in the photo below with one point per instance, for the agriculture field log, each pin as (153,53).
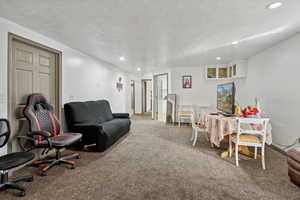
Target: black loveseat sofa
(96,122)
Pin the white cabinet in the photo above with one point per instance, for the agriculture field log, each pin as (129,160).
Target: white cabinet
(236,69)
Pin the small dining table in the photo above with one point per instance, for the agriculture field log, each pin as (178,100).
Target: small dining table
(220,127)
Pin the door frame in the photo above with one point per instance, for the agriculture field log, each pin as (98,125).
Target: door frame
(58,71)
(144,95)
(132,96)
(154,92)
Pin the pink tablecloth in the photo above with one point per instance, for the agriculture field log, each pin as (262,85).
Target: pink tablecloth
(218,126)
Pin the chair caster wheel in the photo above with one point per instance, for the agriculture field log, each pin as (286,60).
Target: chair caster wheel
(21,194)
(44,174)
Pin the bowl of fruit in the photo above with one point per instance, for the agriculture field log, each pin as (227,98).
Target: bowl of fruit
(250,112)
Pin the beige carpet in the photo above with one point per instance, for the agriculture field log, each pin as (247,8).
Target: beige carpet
(156,161)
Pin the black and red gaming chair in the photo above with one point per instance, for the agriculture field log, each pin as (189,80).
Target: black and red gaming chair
(46,132)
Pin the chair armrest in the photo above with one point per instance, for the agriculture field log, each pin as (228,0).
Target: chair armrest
(121,115)
(22,140)
(44,134)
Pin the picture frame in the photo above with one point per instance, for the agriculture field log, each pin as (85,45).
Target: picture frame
(187,82)
(119,84)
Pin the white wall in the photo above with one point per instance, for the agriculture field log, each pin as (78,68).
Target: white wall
(203,91)
(90,80)
(273,75)
(83,78)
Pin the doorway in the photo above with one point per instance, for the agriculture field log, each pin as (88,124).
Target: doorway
(132,91)
(160,100)
(147,96)
(33,68)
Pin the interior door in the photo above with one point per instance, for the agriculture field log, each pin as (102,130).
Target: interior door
(162,92)
(132,84)
(149,96)
(146,96)
(33,71)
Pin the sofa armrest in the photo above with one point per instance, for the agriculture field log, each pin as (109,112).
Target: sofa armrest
(121,115)
(92,133)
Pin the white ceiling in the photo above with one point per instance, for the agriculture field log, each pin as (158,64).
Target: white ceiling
(152,34)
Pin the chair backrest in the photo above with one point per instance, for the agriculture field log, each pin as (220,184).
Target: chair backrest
(4,132)
(193,119)
(40,115)
(253,126)
(186,109)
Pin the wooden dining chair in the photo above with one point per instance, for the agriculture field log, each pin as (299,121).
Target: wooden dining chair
(196,128)
(251,132)
(184,113)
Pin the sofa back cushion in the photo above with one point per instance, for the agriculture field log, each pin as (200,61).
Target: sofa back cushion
(104,112)
(88,112)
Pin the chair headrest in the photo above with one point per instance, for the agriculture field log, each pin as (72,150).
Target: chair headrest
(38,102)
(36,98)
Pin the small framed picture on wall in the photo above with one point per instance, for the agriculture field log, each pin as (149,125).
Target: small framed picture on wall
(186,82)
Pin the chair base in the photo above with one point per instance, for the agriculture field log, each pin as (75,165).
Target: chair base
(58,160)
(6,184)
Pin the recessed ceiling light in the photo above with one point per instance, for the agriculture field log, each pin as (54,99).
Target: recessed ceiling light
(235,42)
(218,58)
(138,69)
(122,58)
(274,5)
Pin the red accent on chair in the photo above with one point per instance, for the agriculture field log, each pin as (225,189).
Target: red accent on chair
(45,168)
(53,124)
(39,128)
(37,162)
(65,134)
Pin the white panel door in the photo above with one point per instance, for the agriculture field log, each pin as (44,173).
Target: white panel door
(162,92)
(33,71)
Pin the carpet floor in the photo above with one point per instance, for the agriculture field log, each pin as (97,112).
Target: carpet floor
(157,161)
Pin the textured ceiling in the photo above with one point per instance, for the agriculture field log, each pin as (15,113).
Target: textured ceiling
(152,34)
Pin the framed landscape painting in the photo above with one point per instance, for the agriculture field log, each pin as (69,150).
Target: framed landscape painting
(186,82)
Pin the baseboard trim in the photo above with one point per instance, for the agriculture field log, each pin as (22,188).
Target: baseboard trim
(278,149)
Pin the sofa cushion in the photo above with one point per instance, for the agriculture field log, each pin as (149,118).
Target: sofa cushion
(88,112)
(116,127)
(123,123)
(104,111)
(78,112)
